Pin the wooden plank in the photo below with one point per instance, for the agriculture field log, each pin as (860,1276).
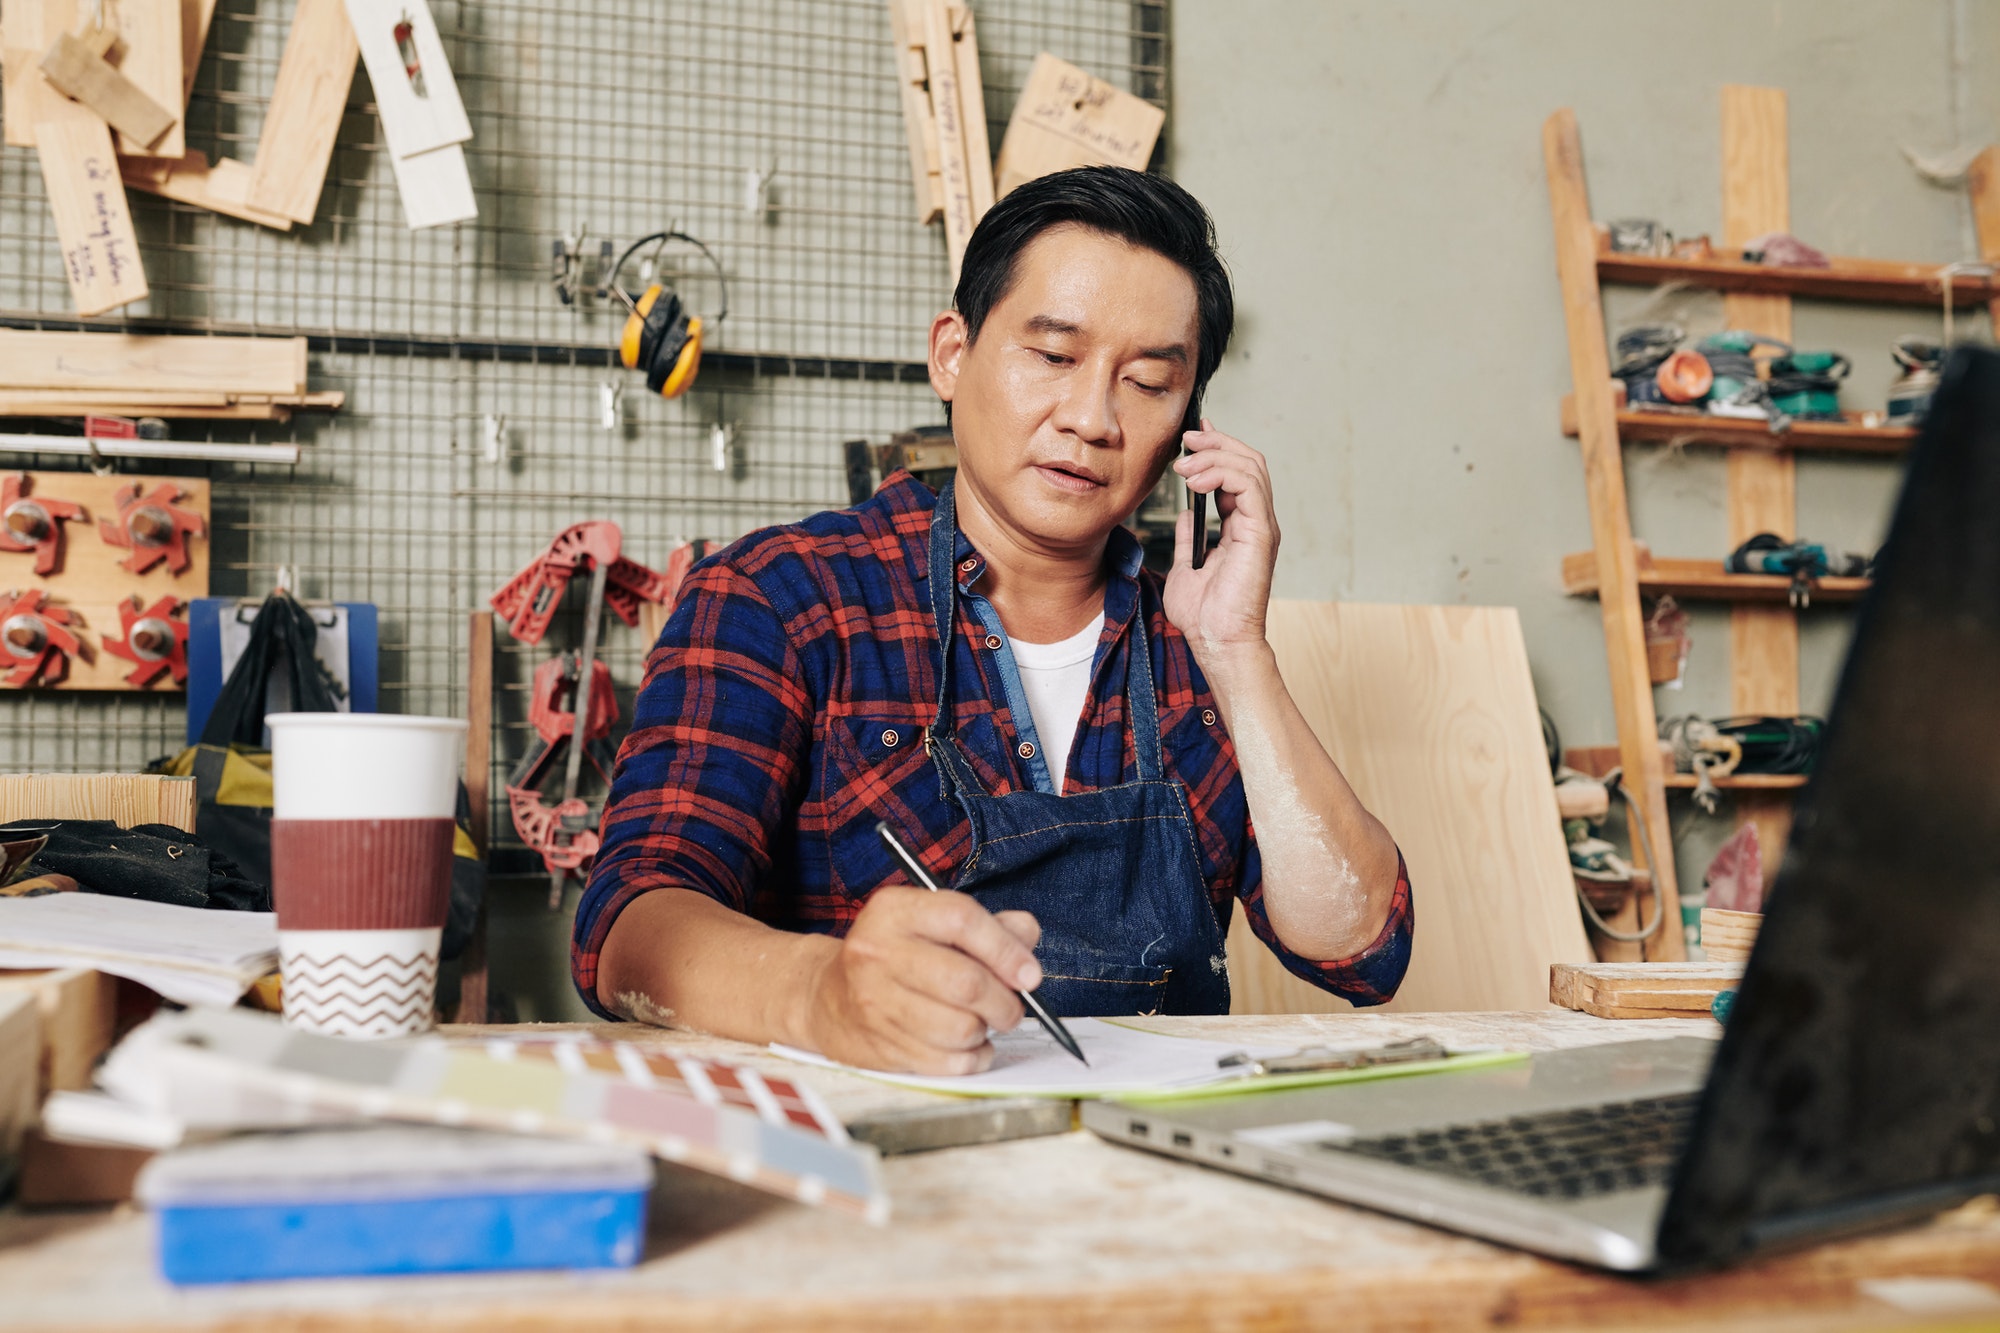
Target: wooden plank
(305,110)
(1982,184)
(117,365)
(1610,518)
(1430,713)
(1847,436)
(196,18)
(472,964)
(913,85)
(26,29)
(972,108)
(20,1061)
(91,583)
(1872,281)
(124,798)
(1066,118)
(435,187)
(1763,639)
(77,72)
(93,220)
(151,34)
(1705,580)
(221,187)
(954,174)
(79,1012)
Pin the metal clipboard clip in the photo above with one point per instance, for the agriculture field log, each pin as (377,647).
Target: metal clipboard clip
(1322,1059)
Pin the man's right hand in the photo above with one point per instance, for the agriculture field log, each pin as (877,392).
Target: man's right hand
(918,981)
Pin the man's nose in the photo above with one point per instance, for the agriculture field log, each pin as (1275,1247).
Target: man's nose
(1089,409)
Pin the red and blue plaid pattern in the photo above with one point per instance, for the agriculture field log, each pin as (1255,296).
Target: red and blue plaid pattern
(782,715)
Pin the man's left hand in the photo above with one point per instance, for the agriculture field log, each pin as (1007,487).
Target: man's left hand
(1221,606)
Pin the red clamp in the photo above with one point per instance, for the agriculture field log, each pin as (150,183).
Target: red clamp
(562,833)
(529,600)
(153,527)
(34,525)
(155,640)
(35,646)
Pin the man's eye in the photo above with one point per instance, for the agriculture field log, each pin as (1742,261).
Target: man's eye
(1149,388)
(1053,358)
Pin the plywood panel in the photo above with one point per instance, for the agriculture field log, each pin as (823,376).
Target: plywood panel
(91,583)
(1430,713)
(125,799)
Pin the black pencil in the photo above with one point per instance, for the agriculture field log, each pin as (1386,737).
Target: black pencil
(1034,1006)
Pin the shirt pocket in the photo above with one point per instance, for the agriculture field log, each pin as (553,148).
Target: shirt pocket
(874,769)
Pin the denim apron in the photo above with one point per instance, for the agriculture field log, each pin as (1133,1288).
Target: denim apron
(1112,875)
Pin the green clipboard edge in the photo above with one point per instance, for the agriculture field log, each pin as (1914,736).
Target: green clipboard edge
(1277,1082)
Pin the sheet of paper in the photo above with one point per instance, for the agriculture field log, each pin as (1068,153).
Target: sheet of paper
(189,954)
(1028,1063)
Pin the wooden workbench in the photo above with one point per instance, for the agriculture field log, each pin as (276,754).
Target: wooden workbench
(1062,1232)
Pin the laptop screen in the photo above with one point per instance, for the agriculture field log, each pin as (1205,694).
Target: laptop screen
(1859,1077)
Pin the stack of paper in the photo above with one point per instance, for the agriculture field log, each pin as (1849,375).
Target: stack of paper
(190,955)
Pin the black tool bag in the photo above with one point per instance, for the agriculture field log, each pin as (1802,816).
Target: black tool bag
(155,862)
(232,769)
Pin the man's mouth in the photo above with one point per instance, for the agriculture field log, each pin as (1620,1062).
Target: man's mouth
(1070,476)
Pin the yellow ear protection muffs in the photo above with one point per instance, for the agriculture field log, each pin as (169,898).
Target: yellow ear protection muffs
(661,337)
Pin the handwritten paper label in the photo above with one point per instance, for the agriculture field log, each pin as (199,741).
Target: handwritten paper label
(93,220)
(1066,118)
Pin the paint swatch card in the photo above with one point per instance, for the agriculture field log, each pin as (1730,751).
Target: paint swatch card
(770,1134)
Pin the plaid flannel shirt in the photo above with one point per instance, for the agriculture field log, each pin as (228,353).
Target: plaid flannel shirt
(782,715)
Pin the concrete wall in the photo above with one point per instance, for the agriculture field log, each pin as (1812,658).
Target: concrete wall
(1375,171)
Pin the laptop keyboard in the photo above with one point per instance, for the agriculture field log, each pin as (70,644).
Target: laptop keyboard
(1574,1154)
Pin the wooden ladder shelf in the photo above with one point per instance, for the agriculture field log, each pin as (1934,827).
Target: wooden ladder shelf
(1764,634)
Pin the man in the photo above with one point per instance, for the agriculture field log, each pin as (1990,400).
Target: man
(1085,770)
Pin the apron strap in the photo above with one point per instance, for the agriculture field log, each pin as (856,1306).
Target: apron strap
(1141,704)
(944,601)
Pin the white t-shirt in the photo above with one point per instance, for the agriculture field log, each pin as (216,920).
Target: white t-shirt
(1056,678)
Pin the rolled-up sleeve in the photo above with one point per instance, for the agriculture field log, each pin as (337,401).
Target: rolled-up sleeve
(1370,977)
(720,740)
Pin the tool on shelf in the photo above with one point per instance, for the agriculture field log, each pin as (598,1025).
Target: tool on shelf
(155,640)
(36,639)
(153,527)
(35,524)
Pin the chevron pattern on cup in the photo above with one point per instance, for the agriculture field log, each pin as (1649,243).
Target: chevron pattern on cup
(390,994)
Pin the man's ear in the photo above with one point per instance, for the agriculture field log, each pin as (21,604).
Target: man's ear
(948,346)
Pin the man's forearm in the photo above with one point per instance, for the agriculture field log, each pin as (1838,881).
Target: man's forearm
(1329,865)
(675,955)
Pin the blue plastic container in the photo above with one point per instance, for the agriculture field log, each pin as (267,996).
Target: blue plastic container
(393,1199)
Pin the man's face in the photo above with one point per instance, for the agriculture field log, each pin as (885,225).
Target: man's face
(1070,402)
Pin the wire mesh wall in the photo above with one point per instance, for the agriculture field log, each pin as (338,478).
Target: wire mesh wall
(473,431)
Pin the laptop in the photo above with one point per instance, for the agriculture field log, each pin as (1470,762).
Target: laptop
(1857,1082)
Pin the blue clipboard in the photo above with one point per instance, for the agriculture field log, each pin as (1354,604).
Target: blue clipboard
(207,669)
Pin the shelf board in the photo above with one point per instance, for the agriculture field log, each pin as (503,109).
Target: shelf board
(1704,580)
(1877,280)
(1741,782)
(1846,437)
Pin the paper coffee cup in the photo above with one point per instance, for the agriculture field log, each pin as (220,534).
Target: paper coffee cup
(361,836)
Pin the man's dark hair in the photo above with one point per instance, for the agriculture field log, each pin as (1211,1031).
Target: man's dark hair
(1147,211)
